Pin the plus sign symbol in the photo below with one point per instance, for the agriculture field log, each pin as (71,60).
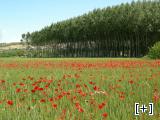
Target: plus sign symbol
(143,109)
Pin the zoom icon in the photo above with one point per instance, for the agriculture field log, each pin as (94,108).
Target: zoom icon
(143,109)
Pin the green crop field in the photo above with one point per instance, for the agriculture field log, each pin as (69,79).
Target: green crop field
(80,60)
(78,89)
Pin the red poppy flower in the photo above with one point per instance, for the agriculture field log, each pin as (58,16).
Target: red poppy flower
(80,110)
(50,99)
(105,114)
(47,85)
(78,86)
(77,105)
(25,90)
(40,89)
(100,106)
(60,96)
(33,91)
(42,100)
(36,87)
(85,86)
(18,90)
(121,97)
(22,84)
(95,88)
(131,81)
(14,84)
(77,76)
(2,81)
(92,83)
(54,105)
(31,78)
(10,102)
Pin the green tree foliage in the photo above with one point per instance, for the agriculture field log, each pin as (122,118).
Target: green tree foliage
(154,52)
(117,31)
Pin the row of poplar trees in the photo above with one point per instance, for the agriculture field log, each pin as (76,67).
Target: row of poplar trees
(126,30)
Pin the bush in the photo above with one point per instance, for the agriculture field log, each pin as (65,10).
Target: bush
(154,52)
(12,53)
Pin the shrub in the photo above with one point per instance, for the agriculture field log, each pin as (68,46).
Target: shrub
(12,53)
(154,52)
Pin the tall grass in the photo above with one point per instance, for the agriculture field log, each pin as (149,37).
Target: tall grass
(78,89)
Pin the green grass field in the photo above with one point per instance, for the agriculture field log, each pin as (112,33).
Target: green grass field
(78,89)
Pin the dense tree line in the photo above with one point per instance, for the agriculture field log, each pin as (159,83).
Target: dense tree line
(125,30)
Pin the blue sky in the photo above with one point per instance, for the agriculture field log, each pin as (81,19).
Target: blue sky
(21,16)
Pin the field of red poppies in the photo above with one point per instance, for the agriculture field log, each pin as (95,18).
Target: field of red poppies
(78,89)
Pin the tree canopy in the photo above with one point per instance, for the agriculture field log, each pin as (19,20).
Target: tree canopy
(122,30)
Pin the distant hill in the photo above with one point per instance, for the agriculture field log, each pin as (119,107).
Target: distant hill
(12,45)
